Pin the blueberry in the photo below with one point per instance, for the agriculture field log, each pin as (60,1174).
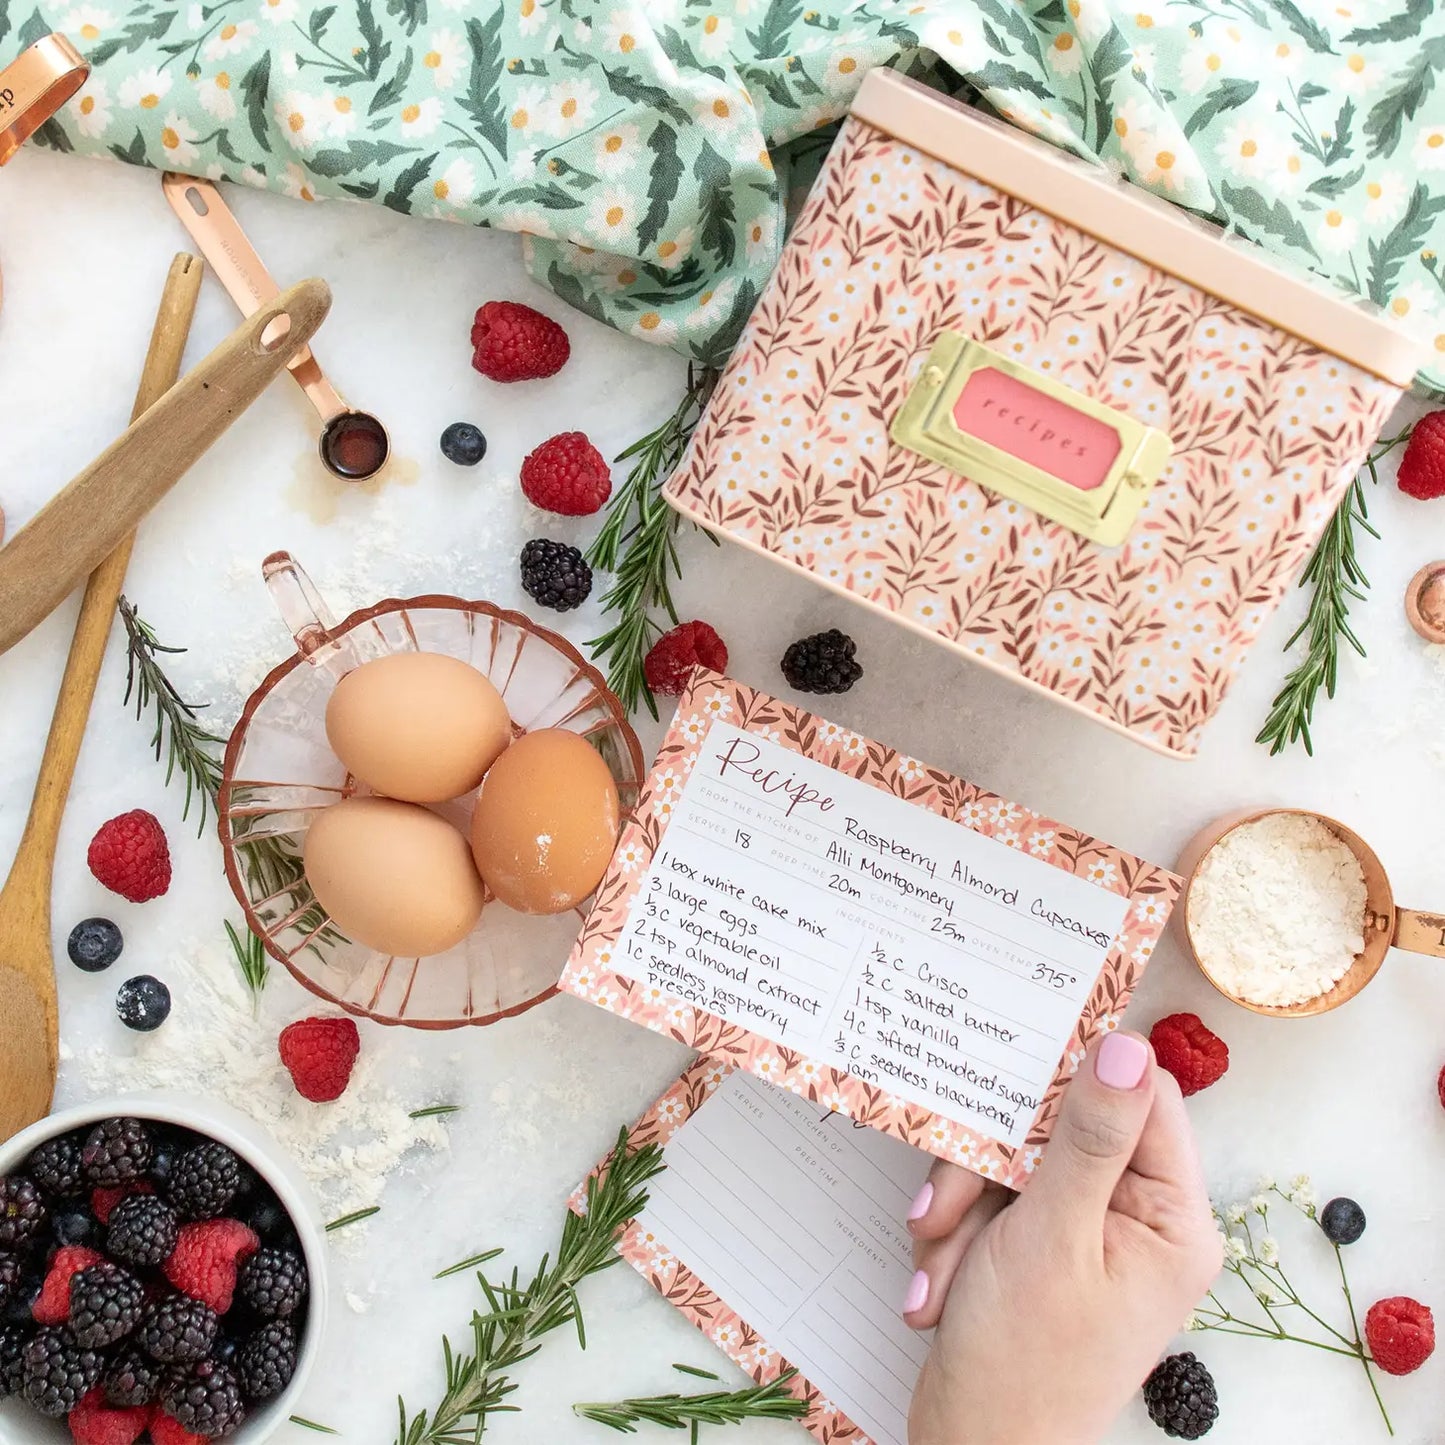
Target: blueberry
(1342,1220)
(95,944)
(75,1226)
(463,444)
(143,1003)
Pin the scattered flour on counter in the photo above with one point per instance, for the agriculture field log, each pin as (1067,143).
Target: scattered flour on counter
(1277,911)
(212,1044)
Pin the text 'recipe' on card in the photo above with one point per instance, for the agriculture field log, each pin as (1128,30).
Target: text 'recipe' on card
(821,913)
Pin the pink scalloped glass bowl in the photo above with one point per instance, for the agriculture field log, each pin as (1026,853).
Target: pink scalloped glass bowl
(279,772)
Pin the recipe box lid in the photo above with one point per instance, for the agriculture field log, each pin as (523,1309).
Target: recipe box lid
(1138,223)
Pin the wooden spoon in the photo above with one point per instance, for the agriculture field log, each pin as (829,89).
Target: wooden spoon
(29,1036)
(75,531)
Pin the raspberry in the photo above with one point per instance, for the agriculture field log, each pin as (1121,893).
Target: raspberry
(512,342)
(1191,1052)
(204,1262)
(1400,1332)
(53,1306)
(567,474)
(167,1430)
(1422,468)
(129,855)
(104,1201)
(319,1054)
(94,1422)
(673,656)
(1440,1087)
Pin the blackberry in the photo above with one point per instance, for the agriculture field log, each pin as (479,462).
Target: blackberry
(143,1230)
(132,1379)
(268,1360)
(94,944)
(13,1339)
(206,1400)
(75,1226)
(57,1372)
(22,1211)
(117,1151)
(463,444)
(56,1166)
(204,1180)
(273,1282)
(1342,1220)
(12,1273)
(143,1003)
(178,1330)
(555,574)
(1181,1399)
(105,1304)
(823,662)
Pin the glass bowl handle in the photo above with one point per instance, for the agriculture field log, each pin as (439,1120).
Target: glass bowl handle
(299,604)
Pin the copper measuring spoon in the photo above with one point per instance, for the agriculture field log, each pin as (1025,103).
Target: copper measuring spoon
(1386,925)
(354,444)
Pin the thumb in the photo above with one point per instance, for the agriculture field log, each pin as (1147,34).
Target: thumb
(1104,1113)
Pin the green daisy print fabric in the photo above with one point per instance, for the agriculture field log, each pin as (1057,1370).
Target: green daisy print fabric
(647,151)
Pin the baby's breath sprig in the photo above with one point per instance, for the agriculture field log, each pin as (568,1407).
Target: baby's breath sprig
(1252,1257)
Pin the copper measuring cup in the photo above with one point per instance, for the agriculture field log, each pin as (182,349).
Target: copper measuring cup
(1386,925)
(354,444)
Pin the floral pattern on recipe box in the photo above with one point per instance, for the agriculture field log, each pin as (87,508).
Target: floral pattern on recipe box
(794,457)
(684,1291)
(589,973)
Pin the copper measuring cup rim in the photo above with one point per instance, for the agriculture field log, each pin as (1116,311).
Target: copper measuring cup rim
(1386,925)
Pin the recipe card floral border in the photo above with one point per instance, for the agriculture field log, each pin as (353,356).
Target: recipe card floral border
(682,1289)
(590,974)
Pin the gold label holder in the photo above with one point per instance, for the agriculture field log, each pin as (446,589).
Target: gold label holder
(1026,436)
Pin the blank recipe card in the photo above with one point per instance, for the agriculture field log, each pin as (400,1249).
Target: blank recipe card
(870,933)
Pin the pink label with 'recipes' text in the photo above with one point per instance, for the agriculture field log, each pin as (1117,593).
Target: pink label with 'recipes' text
(1010,415)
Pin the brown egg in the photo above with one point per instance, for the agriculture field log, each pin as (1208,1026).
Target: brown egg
(418,726)
(393,876)
(546,822)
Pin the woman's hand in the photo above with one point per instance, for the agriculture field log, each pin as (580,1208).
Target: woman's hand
(1053,1307)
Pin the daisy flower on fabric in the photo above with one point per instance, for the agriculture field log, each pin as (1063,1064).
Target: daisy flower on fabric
(301,119)
(231,39)
(1336,231)
(145,89)
(1385,197)
(91,109)
(571,105)
(1065,55)
(617,149)
(339,116)
(87,22)
(1429,149)
(420,117)
(216,96)
(714,35)
(296,184)
(178,140)
(278,12)
(444,58)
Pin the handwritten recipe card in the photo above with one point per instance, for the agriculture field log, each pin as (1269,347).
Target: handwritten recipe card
(866,931)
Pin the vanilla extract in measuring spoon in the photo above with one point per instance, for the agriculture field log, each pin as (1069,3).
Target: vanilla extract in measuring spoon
(354,445)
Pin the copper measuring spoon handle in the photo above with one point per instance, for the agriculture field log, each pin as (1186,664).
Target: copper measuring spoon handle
(1419,932)
(233,259)
(34,86)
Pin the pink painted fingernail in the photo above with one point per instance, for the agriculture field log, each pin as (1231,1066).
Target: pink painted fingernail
(921,1201)
(1121,1061)
(917,1295)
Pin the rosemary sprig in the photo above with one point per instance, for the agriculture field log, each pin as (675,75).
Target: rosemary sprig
(772,1401)
(306,1424)
(250,959)
(638,544)
(432,1111)
(188,747)
(518,1315)
(355,1217)
(1338,580)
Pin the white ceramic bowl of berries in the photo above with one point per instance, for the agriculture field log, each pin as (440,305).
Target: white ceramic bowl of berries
(162,1277)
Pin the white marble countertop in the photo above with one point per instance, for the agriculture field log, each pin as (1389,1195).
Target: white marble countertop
(1349,1097)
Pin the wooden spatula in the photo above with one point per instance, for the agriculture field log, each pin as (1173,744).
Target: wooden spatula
(173,425)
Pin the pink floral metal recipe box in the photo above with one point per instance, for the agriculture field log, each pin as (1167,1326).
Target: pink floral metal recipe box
(1039,415)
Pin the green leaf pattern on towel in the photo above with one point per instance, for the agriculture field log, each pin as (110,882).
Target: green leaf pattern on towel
(649,151)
